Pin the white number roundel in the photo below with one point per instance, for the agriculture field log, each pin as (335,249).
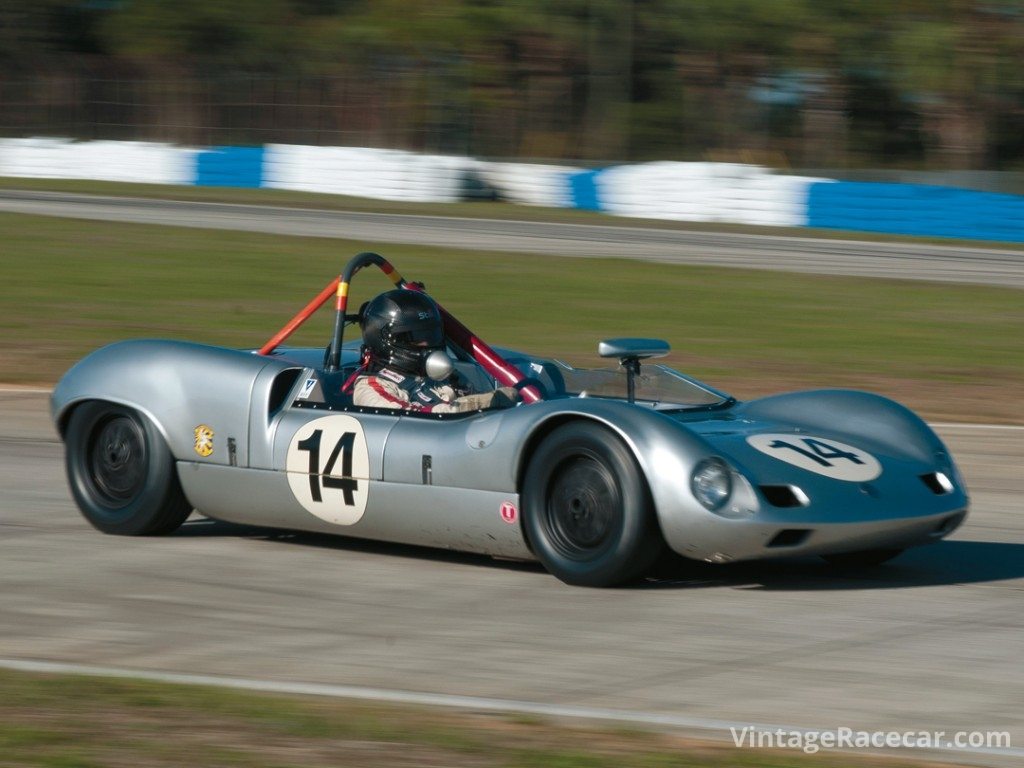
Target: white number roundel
(820,454)
(328,468)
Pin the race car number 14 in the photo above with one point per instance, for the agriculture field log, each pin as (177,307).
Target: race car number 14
(328,467)
(824,456)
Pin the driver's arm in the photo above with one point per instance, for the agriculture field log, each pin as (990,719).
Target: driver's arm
(374,392)
(503,397)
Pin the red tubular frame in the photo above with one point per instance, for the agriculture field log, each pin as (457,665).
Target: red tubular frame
(504,373)
(304,314)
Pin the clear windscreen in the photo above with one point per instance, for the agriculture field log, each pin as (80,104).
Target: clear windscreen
(657,385)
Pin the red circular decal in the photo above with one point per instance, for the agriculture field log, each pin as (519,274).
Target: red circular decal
(509,513)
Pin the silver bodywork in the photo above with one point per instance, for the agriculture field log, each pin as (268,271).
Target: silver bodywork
(451,481)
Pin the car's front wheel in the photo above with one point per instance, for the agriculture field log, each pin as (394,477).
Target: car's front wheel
(587,510)
(121,471)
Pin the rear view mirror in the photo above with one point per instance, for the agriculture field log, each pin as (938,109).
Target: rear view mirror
(635,349)
(629,353)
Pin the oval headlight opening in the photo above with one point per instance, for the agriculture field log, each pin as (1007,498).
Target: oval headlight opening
(711,483)
(951,471)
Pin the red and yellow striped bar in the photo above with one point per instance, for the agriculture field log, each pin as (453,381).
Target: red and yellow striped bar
(392,273)
(342,301)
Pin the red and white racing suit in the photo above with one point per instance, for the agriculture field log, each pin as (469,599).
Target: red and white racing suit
(388,388)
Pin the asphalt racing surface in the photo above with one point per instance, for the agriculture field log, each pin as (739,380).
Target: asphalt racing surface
(932,641)
(903,260)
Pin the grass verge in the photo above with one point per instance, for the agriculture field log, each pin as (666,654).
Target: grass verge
(69,286)
(64,721)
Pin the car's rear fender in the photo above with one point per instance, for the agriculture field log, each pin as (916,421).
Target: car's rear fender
(180,386)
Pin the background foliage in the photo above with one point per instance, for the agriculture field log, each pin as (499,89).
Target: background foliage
(811,83)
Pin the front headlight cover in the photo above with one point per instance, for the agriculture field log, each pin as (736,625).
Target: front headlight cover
(950,470)
(711,483)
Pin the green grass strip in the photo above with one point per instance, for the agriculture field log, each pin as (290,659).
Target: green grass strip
(69,286)
(68,721)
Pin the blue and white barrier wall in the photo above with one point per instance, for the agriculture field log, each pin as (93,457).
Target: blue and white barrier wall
(228,167)
(377,173)
(702,192)
(130,161)
(724,192)
(916,209)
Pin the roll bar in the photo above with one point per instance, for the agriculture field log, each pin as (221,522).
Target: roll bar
(504,372)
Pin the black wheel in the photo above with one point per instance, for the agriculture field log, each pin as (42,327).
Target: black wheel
(863,559)
(121,472)
(587,510)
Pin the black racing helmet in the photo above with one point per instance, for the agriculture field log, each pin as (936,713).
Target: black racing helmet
(402,327)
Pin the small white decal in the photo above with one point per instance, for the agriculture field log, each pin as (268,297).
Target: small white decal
(328,469)
(307,388)
(822,455)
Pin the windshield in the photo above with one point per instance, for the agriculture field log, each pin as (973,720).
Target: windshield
(657,385)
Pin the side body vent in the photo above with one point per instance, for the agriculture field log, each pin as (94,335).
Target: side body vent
(279,390)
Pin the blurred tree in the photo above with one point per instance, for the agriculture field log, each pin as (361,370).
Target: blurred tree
(738,67)
(39,36)
(789,82)
(206,37)
(961,63)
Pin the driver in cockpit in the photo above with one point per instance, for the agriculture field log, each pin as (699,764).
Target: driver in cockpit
(407,366)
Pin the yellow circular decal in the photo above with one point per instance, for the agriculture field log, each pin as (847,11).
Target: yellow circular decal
(204,440)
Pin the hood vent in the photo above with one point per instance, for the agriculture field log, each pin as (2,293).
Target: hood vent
(785,496)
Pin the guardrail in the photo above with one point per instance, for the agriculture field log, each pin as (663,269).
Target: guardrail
(700,192)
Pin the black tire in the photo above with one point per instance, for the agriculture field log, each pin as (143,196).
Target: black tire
(863,559)
(587,510)
(121,471)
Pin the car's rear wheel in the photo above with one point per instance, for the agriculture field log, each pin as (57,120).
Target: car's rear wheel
(587,510)
(862,559)
(121,471)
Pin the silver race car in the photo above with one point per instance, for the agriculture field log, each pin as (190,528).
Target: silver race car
(593,474)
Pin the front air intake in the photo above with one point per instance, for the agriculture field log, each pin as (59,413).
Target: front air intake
(784,496)
(789,537)
(948,524)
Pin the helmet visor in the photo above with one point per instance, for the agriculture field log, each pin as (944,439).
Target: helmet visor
(432,336)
